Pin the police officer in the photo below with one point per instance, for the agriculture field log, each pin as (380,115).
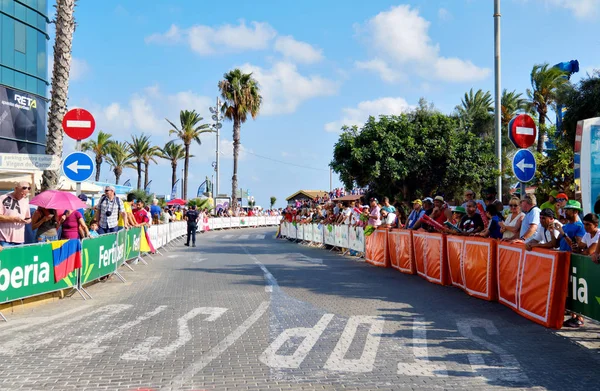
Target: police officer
(192,216)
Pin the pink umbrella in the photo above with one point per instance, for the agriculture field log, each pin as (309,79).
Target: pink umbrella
(60,200)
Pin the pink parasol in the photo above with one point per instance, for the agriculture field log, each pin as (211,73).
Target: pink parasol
(177,201)
(60,200)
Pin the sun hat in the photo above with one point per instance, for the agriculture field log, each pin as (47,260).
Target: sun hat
(572,204)
(417,202)
(554,193)
(460,209)
(428,199)
(562,195)
(439,198)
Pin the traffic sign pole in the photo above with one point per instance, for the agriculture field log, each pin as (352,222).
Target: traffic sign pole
(78,124)
(78,184)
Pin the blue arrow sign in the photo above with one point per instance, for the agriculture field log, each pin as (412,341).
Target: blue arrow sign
(78,166)
(524,165)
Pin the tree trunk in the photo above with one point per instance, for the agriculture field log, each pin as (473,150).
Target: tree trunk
(185,171)
(98,166)
(65,26)
(139,173)
(117,176)
(236,151)
(173,174)
(542,129)
(146,169)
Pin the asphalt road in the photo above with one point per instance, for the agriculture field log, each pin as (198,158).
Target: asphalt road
(244,311)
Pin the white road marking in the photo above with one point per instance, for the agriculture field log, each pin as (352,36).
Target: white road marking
(44,335)
(144,351)
(303,257)
(199,260)
(227,236)
(365,363)
(88,349)
(260,237)
(173,256)
(244,237)
(215,352)
(311,336)
(509,371)
(422,366)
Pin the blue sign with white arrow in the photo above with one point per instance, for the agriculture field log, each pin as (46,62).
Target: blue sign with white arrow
(78,166)
(524,165)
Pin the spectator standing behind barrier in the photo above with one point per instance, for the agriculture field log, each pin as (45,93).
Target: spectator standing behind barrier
(531,221)
(561,202)
(140,214)
(493,228)
(471,223)
(415,214)
(511,227)
(14,214)
(191,216)
(108,210)
(387,207)
(547,235)
(428,210)
(375,213)
(73,225)
(589,242)
(388,219)
(155,211)
(551,201)
(46,223)
(573,231)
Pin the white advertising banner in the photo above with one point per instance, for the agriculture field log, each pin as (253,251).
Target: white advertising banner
(317,233)
(356,239)
(234,222)
(329,235)
(341,236)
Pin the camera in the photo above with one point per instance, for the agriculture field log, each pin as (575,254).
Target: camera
(108,213)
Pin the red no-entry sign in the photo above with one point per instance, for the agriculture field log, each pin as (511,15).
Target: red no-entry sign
(522,131)
(79,124)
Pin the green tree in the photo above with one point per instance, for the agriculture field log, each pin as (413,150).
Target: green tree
(173,152)
(476,112)
(119,158)
(555,169)
(546,82)
(418,153)
(241,94)
(65,26)
(100,147)
(273,200)
(582,102)
(138,148)
(190,129)
(200,203)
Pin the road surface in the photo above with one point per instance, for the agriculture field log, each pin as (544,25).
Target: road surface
(245,311)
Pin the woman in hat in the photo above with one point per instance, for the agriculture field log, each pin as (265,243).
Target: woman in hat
(511,227)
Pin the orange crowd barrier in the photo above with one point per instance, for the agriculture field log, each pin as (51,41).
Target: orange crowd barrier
(429,250)
(377,248)
(472,265)
(533,283)
(400,248)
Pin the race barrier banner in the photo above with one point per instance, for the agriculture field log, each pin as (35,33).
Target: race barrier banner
(377,249)
(102,256)
(533,283)
(234,222)
(341,236)
(472,265)
(317,233)
(300,232)
(329,235)
(400,248)
(27,271)
(356,239)
(584,287)
(430,256)
(132,243)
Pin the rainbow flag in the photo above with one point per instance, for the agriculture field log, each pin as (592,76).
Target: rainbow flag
(67,257)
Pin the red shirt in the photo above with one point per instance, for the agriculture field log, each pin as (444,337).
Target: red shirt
(141,216)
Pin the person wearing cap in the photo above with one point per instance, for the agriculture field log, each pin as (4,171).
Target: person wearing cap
(428,208)
(551,200)
(375,213)
(415,214)
(559,211)
(490,197)
(573,231)
(109,209)
(531,221)
(547,235)
(439,206)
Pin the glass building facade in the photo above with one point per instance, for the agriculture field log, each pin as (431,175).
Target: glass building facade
(23,75)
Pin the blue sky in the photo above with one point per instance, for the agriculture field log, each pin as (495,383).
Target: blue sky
(320,65)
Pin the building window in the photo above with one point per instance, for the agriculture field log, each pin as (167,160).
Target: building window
(20,37)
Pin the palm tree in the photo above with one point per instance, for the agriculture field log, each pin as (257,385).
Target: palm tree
(65,26)
(138,148)
(150,156)
(189,130)
(511,104)
(241,94)
(119,158)
(100,147)
(546,82)
(480,102)
(173,152)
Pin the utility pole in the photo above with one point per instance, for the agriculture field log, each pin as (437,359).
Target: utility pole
(217,117)
(182,195)
(330,179)
(498,96)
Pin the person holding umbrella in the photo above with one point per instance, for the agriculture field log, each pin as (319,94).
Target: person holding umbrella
(71,220)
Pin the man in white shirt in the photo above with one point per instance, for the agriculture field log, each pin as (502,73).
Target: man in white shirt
(388,219)
(547,234)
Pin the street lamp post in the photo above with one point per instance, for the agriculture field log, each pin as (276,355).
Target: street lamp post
(498,96)
(217,117)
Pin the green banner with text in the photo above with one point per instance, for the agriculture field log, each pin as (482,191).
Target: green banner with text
(29,271)
(132,243)
(102,256)
(584,289)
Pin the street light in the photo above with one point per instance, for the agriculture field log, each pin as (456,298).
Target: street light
(217,117)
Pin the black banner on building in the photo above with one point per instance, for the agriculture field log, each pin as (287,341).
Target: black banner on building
(22,122)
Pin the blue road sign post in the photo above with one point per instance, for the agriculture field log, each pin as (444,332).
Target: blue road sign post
(78,166)
(524,165)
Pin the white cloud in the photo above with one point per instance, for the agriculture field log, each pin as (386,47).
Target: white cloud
(298,51)
(283,89)
(359,115)
(226,147)
(79,68)
(379,66)
(400,36)
(444,14)
(582,9)
(206,40)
